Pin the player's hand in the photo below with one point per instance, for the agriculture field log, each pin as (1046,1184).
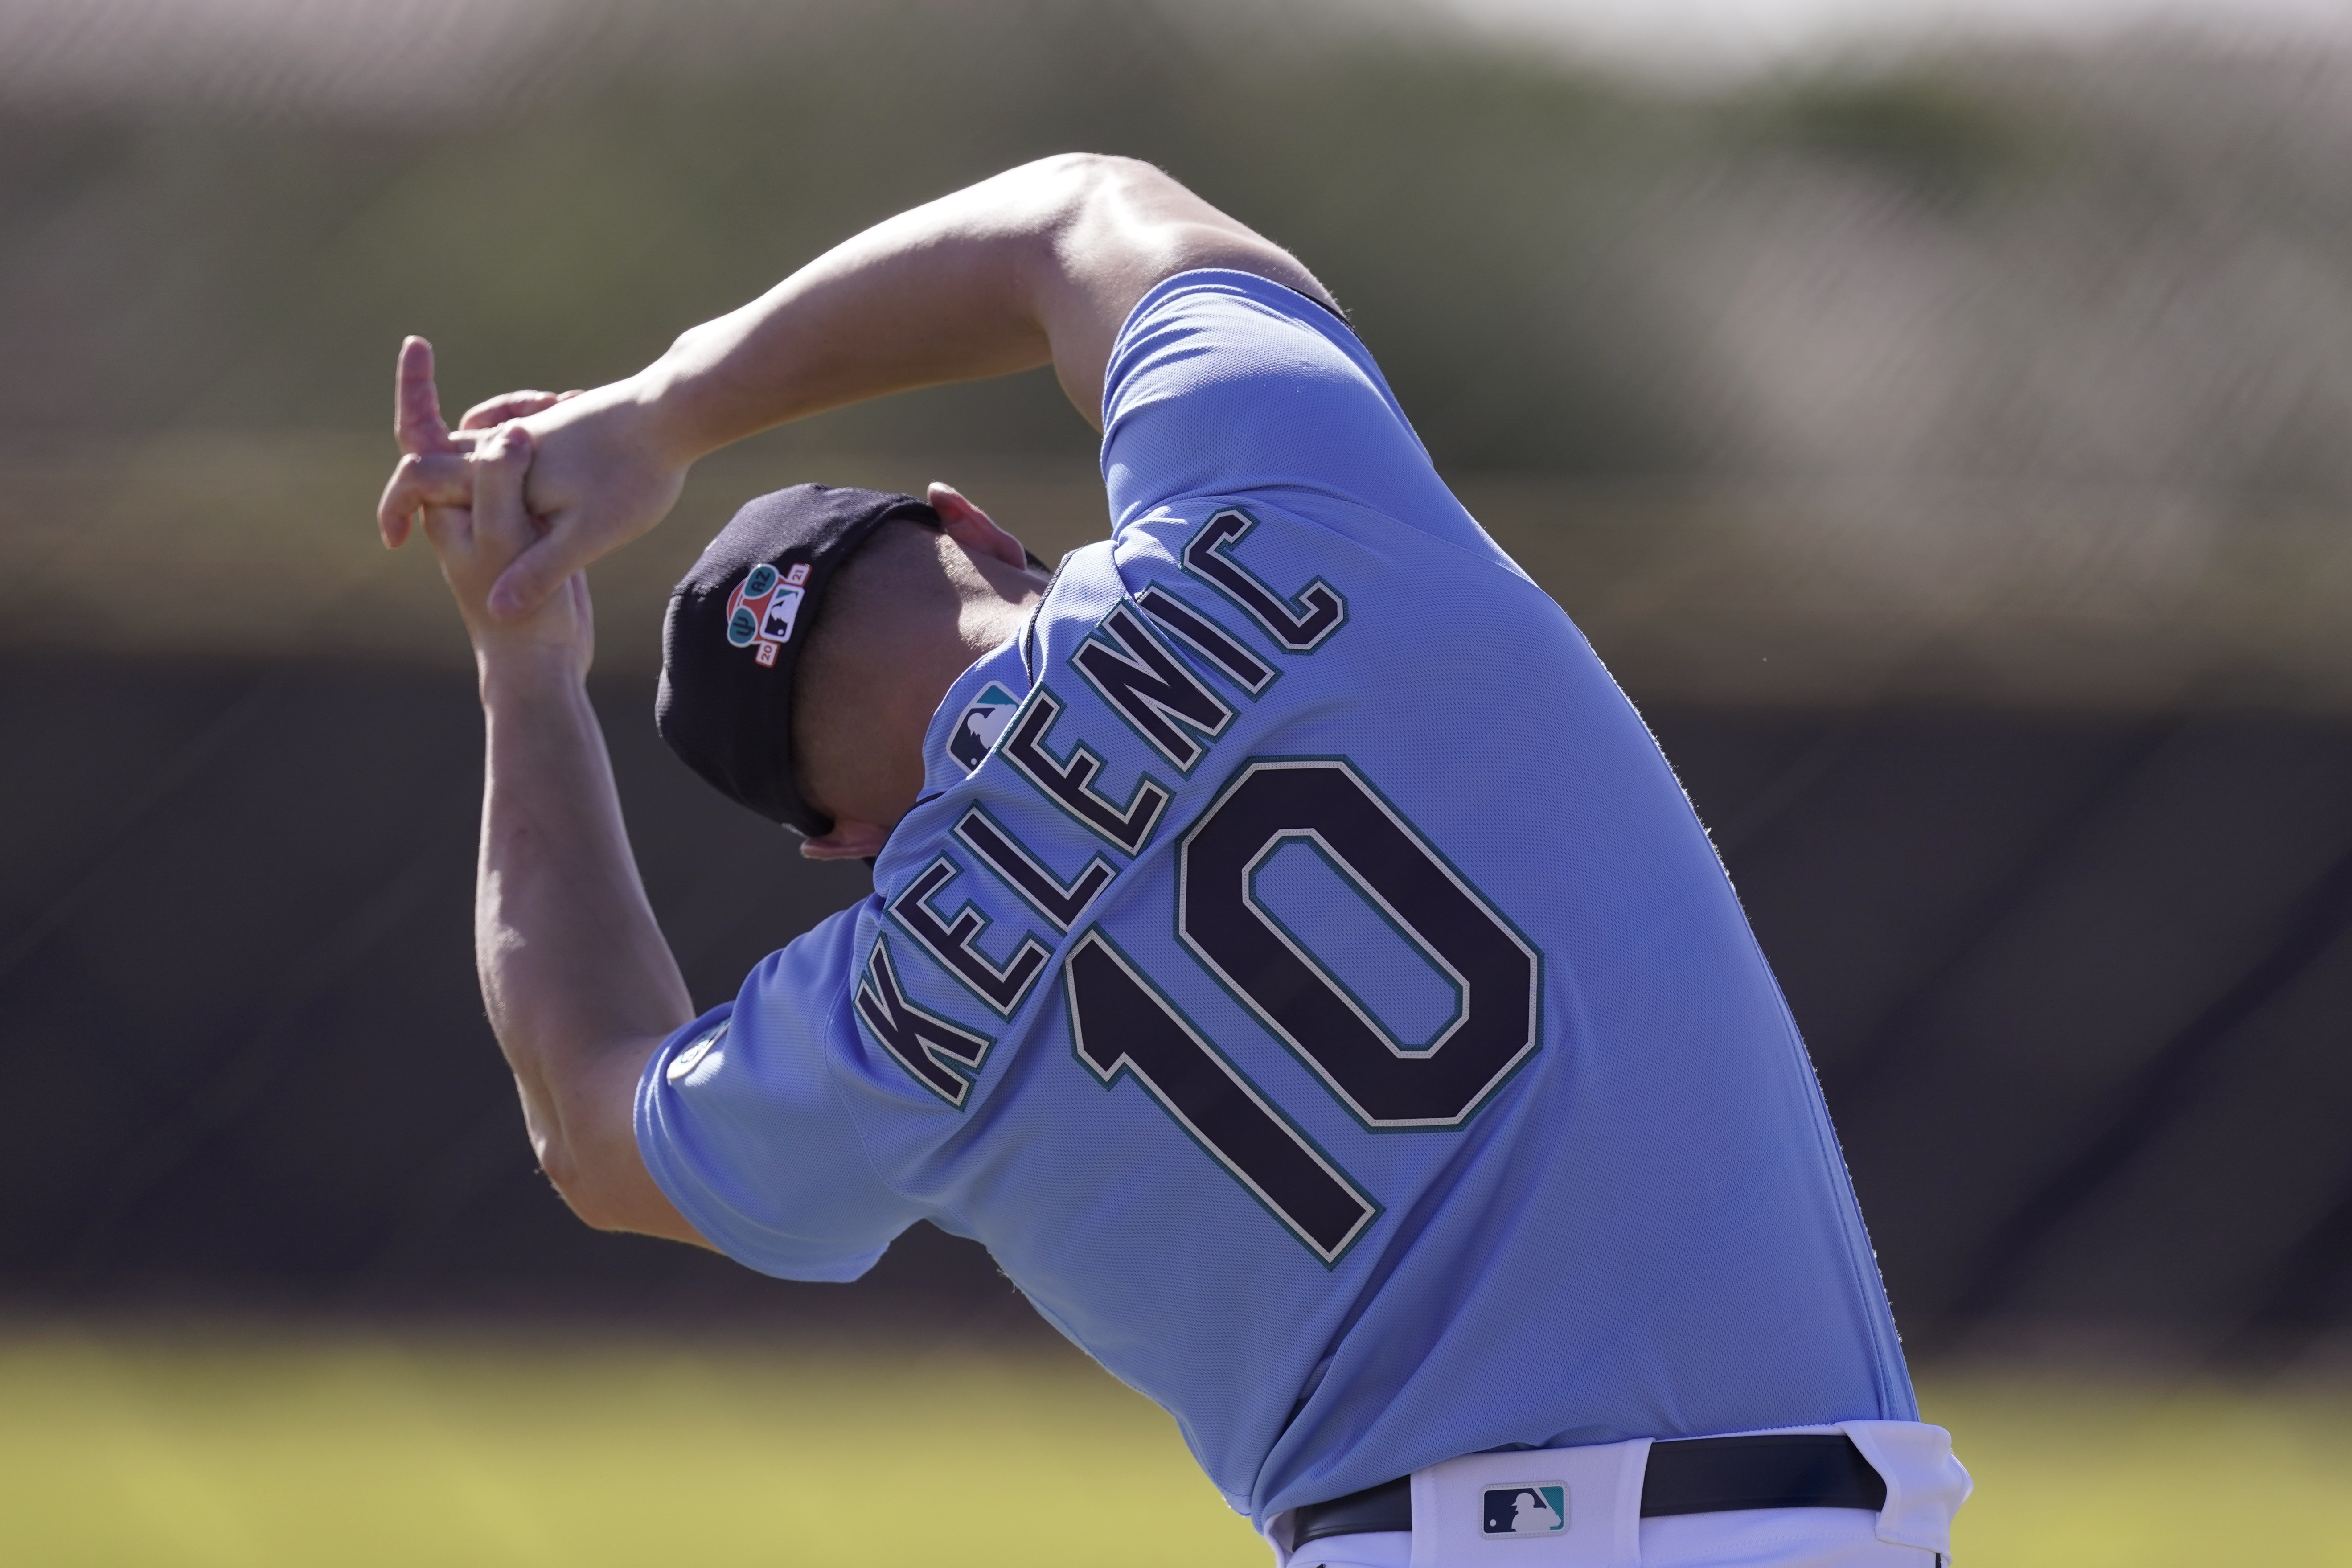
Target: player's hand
(433,469)
(476,543)
(598,477)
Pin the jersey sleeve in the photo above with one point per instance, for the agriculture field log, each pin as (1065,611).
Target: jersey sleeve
(1225,387)
(740,1121)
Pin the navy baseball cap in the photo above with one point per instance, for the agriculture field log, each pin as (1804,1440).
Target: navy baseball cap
(735,629)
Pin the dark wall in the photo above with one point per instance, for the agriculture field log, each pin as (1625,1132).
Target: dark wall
(2075,985)
(248,1063)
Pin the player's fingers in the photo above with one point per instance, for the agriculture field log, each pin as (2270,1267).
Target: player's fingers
(433,479)
(417,422)
(447,527)
(509,405)
(439,478)
(501,523)
(531,576)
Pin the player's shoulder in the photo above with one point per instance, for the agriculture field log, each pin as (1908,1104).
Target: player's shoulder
(1281,564)
(1228,390)
(789,996)
(1216,326)
(1239,296)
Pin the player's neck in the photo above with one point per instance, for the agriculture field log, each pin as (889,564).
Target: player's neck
(995,608)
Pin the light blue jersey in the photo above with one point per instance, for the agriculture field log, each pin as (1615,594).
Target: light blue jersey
(1305,977)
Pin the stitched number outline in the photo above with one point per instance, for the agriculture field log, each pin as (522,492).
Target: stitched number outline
(1492,968)
(1121,1027)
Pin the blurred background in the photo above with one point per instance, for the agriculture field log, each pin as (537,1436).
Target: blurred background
(1940,414)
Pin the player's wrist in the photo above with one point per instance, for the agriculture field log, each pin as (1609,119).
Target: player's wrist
(638,425)
(511,669)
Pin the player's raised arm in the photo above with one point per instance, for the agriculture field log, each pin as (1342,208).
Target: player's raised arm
(580,985)
(1038,265)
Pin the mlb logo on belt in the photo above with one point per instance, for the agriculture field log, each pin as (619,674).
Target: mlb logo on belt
(1539,1507)
(761,610)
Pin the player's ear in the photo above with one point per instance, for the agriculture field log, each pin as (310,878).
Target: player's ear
(849,840)
(973,528)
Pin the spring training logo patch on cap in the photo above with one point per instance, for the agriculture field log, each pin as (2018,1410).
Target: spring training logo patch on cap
(1539,1507)
(976,733)
(761,611)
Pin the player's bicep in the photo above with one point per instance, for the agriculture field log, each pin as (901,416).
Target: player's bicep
(1130,228)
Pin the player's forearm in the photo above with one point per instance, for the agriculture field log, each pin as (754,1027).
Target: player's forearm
(936,294)
(1041,263)
(579,983)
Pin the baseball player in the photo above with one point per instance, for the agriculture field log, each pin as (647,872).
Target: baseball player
(1288,953)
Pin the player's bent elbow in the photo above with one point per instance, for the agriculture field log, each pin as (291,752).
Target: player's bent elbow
(592,1206)
(1082,171)
(1143,224)
(631,1208)
(562,1167)
(609,1189)
(574,1173)
(1072,184)
(595,1198)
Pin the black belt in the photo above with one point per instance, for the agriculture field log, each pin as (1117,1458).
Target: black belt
(1686,1475)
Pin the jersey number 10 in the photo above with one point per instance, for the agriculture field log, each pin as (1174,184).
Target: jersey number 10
(1121,1024)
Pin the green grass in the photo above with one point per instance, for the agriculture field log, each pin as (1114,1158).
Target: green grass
(359,1454)
(118,1450)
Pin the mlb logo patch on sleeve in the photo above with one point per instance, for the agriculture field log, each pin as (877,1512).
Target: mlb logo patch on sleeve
(682,1065)
(1539,1507)
(977,731)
